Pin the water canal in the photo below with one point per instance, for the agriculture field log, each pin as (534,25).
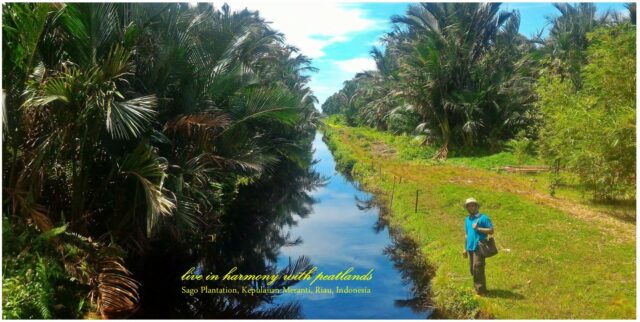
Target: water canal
(293,219)
(346,230)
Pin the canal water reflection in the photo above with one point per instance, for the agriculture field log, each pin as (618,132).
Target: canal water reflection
(347,229)
(298,215)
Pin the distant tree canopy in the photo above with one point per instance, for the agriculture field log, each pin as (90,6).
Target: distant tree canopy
(462,69)
(462,74)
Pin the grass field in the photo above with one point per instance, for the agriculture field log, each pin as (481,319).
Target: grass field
(560,257)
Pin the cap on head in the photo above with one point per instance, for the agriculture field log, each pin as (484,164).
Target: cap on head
(471,200)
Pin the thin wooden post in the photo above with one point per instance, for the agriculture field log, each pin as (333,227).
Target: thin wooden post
(393,190)
(554,178)
(416,208)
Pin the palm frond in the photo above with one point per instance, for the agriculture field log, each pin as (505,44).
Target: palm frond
(143,164)
(197,123)
(129,119)
(275,104)
(116,64)
(187,215)
(115,292)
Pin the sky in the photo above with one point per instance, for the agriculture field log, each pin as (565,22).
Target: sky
(338,36)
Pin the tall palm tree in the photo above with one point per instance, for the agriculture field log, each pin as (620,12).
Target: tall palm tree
(448,54)
(567,40)
(379,86)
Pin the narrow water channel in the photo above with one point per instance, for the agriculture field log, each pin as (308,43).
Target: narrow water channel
(294,218)
(345,229)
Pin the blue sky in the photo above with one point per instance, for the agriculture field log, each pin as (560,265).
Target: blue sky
(338,36)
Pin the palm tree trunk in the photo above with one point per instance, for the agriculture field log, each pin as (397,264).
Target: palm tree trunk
(446,135)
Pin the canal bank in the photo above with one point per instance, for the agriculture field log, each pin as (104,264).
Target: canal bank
(546,268)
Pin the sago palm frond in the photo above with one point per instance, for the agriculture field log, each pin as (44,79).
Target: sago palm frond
(115,292)
(117,63)
(65,87)
(144,165)
(187,215)
(129,119)
(199,123)
(275,104)
(23,25)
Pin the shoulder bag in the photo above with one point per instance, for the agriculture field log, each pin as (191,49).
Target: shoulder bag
(487,247)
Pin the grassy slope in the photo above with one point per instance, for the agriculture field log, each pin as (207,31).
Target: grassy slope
(560,258)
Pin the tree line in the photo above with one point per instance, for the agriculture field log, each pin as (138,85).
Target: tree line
(128,123)
(462,76)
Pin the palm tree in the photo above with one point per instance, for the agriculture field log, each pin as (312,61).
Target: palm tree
(632,12)
(347,101)
(567,41)
(133,122)
(457,62)
(379,87)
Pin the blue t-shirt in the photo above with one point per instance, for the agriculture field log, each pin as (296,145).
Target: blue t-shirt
(474,236)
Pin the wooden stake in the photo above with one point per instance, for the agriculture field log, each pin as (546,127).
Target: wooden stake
(416,209)
(393,190)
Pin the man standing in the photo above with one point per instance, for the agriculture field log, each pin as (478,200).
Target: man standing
(476,226)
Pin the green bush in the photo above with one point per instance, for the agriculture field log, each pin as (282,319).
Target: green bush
(457,302)
(521,147)
(591,130)
(402,120)
(35,284)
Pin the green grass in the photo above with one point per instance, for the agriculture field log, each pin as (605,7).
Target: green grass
(551,265)
(410,148)
(492,161)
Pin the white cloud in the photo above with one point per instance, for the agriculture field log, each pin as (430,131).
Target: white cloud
(324,89)
(335,72)
(378,43)
(311,26)
(356,65)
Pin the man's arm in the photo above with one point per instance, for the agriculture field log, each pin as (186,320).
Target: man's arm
(488,229)
(485,230)
(464,249)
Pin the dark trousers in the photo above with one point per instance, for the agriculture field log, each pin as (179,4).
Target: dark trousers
(476,267)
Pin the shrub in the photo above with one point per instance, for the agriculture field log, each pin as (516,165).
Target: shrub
(591,130)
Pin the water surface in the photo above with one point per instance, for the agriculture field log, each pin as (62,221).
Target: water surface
(293,218)
(337,235)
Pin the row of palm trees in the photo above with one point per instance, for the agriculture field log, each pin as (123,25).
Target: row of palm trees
(126,123)
(460,73)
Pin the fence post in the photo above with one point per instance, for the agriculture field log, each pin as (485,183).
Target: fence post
(416,208)
(393,190)
(554,178)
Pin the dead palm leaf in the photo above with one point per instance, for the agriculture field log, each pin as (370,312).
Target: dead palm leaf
(197,123)
(114,292)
